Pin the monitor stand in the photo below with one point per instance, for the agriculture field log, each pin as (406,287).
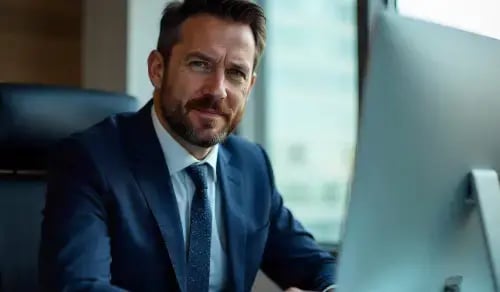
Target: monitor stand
(485,193)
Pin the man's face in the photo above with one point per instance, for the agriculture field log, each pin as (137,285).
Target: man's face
(207,80)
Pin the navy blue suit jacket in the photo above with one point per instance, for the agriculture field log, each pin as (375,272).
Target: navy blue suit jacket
(111,222)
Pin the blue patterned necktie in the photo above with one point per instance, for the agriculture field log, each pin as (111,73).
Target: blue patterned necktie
(198,256)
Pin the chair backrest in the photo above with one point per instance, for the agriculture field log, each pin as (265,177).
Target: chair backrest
(32,118)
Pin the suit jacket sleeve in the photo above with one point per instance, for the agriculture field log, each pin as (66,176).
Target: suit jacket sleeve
(74,249)
(292,258)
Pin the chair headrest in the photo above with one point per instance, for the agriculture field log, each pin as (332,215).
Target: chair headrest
(33,117)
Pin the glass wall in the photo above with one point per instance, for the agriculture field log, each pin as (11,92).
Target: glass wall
(310,104)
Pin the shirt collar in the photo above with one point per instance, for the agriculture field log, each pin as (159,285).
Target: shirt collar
(176,156)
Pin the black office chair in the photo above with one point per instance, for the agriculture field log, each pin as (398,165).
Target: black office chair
(32,118)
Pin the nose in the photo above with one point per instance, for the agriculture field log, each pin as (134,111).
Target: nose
(215,84)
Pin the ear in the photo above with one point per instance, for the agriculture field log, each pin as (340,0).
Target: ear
(252,82)
(156,67)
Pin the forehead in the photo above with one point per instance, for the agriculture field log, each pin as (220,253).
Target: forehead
(218,36)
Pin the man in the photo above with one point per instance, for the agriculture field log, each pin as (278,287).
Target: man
(166,199)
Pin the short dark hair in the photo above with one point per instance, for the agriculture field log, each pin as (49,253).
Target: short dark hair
(243,11)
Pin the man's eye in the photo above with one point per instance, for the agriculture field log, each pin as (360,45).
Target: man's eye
(201,66)
(237,75)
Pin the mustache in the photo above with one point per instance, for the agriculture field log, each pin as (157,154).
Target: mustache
(209,102)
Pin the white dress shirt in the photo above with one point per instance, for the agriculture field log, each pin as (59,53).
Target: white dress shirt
(177,159)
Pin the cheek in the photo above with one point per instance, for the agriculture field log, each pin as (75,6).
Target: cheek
(181,88)
(238,106)
(242,101)
(238,98)
(236,117)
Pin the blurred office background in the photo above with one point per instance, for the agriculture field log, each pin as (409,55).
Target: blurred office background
(304,109)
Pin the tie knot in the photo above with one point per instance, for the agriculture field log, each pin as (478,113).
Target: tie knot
(198,175)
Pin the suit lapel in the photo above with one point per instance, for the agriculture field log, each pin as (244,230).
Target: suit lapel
(153,177)
(234,223)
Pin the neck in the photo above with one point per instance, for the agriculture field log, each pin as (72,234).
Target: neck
(197,151)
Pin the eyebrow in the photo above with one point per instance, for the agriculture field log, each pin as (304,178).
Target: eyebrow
(200,55)
(205,57)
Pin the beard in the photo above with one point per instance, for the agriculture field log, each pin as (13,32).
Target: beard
(176,116)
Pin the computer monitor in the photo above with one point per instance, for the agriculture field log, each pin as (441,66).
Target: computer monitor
(430,116)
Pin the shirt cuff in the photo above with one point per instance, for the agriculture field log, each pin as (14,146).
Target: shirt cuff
(329,287)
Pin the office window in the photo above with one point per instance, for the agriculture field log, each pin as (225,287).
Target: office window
(311,107)
(478,16)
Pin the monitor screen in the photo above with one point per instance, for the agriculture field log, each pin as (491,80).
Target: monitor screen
(430,116)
